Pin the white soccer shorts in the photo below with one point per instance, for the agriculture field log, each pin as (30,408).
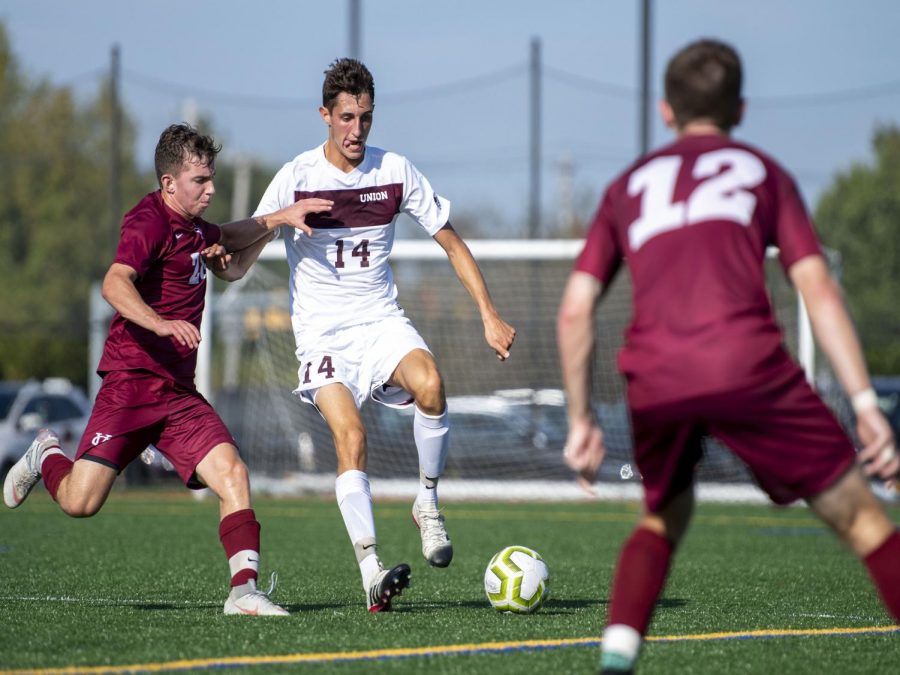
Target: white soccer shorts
(361,357)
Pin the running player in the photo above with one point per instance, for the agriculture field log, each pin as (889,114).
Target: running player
(156,285)
(353,340)
(703,354)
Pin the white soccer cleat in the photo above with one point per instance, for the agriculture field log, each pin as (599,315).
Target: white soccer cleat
(386,585)
(436,545)
(25,473)
(254,602)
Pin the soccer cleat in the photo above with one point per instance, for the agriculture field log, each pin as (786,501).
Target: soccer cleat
(254,602)
(25,473)
(436,545)
(386,585)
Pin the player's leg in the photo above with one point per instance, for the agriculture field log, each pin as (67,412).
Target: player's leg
(80,488)
(798,450)
(418,374)
(667,447)
(83,490)
(855,514)
(338,406)
(639,579)
(223,472)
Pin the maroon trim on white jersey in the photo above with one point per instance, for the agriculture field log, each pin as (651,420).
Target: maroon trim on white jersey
(371,206)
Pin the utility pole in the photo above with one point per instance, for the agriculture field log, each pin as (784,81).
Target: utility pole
(645,58)
(355,50)
(534,194)
(115,142)
(566,210)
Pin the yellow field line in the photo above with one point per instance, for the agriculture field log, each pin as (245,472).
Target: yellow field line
(437,650)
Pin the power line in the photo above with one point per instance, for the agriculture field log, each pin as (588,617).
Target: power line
(828,98)
(252,101)
(237,100)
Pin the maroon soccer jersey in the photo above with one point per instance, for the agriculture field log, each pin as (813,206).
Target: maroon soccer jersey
(692,221)
(164,249)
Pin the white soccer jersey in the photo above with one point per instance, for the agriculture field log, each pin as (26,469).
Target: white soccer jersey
(340,275)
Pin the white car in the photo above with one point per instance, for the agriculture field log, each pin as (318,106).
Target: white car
(26,407)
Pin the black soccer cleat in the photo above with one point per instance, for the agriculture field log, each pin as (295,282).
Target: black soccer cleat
(386,585)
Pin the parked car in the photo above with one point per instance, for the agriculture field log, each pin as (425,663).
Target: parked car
(26,407)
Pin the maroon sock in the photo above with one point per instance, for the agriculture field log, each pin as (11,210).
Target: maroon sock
(239,534)
(640,577)
(54,468)
(884,568)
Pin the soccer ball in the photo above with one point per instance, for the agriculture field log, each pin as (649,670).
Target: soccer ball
(517,580)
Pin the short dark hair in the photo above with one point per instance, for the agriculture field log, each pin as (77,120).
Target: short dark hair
(178,144)
(703,81)
(346,76)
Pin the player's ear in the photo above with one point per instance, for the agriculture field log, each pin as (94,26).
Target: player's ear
(325,114)
(667,114)
(167,182)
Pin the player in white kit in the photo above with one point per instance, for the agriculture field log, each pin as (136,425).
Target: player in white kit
(353,340)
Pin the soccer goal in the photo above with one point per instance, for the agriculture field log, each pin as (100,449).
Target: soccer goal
(508,421)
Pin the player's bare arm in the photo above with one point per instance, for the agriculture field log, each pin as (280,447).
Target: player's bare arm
(120,292)
(584,449)
(498,334)
(836,336)
(240,234)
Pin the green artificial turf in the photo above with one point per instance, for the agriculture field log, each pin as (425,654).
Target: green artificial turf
(143,583)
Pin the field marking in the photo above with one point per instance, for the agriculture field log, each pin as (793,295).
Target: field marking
(439,650)
(138,508)
(106,601)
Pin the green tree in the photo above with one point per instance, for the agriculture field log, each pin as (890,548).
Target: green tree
(859,216)
(56,229)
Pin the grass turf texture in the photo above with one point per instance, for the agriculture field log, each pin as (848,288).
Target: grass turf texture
(144,583)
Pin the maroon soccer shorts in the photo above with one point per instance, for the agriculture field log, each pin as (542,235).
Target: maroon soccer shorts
(136,408)
(788,438)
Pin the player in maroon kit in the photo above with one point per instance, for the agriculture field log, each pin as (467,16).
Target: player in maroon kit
(157,285)
(703,354)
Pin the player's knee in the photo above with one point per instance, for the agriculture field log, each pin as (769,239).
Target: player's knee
(351,440)
(81,506)
(865,527)
(235,473)
(430,396)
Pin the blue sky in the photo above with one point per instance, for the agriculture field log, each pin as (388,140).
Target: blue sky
(452,85)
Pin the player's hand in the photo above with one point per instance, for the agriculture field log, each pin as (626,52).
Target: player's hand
(295,214)
(184,332)
(216,257)
(499,335)
(584,451)
(879,453)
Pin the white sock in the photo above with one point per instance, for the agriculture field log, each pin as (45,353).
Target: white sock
(354,499)
(621,641)
(432,436)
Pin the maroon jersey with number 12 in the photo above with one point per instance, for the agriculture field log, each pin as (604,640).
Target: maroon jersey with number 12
(693,221)
(164,249)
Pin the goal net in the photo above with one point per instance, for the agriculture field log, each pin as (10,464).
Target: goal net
(508,422)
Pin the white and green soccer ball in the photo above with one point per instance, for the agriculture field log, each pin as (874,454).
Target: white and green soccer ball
(517,580)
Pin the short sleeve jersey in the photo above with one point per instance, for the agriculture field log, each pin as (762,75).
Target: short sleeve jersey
(340,275)
(692,221)
(164,249)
